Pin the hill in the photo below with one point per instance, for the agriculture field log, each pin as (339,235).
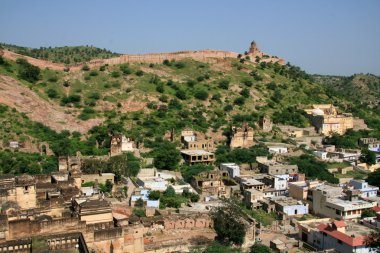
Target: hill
(361,88)
(143,100)
(67,55)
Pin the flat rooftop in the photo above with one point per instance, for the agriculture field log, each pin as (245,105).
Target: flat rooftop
(251,182)
(286,201)
(350,205)
(195,152)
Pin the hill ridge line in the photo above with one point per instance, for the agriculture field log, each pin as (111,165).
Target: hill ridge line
(206,55)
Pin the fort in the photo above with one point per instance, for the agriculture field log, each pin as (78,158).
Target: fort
(202,55)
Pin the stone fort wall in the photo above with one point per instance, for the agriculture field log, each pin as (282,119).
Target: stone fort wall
(202,55)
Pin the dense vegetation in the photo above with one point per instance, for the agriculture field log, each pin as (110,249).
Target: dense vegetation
(65,55)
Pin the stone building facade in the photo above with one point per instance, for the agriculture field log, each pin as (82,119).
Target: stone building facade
(242,137)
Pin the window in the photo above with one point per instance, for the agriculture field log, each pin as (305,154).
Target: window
(339,241)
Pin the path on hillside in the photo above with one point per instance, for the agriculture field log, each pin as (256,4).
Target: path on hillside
(15,95)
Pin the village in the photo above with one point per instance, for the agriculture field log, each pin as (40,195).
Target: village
(162,210)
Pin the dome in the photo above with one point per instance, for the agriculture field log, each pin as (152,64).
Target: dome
(318,112)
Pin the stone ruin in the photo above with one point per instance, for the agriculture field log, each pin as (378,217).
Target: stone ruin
(242,137)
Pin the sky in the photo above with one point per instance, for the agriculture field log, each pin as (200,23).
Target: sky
(335,37)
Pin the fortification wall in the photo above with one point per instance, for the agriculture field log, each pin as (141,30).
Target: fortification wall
(202,55)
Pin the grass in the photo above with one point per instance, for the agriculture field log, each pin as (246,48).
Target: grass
(337,165)
(352,174)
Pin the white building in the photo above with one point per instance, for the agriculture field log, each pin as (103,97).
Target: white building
(232,168)
(321,154)
(277,150)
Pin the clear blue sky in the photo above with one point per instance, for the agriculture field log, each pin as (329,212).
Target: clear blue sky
(326,36)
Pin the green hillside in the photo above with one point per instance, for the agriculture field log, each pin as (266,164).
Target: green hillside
(67,55)
(143,101)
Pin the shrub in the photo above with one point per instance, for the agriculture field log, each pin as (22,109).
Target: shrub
(228,108)
(139,73)
(52,93)
(102,68)
(94,95)
(224,84)
(93,73)
(66,83)
(28,71)
(181,94)
(125,69)
(166,62)
(53,79)
(201,94)
(245,92)
(85,67)
(180,65)
(239,101)
(160,88)
(248,83)
(115,74)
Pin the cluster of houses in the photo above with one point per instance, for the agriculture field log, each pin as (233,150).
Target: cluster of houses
(69,210)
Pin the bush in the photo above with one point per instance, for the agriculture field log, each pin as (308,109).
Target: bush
(125,69)
(115,74)
(248,83)
(93,73)
(160,88)
(180,65)
(71,99)
(53,79)
(139,73)
(228,108)
(166,62)
(201,94)
(181,94)
(239,101)
(224,84)
(85,67)
(245,93)
(27,71)
(52,93)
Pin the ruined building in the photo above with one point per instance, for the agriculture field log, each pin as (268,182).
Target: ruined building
(242,137)
(266,124)
(120,143)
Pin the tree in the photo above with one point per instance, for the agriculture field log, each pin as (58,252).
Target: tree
(154,195)
(167,156)
(368,157)
(139,202)
(181,94)
(373,240)
(224,84)
(374,178)
(260,248)
(368,213)
(229,222)
(28,71)
(201,94)
(169,192)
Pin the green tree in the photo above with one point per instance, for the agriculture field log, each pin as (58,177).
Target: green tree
(373,240)
(169,192)
(28,71)
(154,195)
(201,94)
(224,84)
(139,202)
(167,156)
(260,248)
(368,157)
(228,222)
(374,178)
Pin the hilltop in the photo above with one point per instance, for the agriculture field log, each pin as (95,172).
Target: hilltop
(66,55)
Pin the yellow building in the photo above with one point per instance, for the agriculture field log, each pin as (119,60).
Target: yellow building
(327,120)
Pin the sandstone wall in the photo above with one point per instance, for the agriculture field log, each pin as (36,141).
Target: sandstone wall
(202,55)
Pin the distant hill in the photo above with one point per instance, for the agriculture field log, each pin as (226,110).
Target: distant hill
(67,55)
(358,88)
